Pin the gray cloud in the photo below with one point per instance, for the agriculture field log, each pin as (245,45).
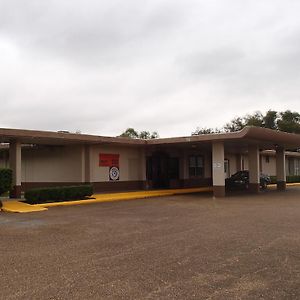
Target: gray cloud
(101,67)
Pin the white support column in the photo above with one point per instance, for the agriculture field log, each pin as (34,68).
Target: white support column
(280,169)
(218,175)
(254,174)
(15,165)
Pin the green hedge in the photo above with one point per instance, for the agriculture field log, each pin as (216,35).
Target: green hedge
(289,179)
(5,180)
(58,194)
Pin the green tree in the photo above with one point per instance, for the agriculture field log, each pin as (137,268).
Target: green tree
(154,135)
(256,119)
(289,121)
(205,130)
(235,124)
(130,133)
(270,119)
(145,135)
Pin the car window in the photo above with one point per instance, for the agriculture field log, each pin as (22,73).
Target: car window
(240,175)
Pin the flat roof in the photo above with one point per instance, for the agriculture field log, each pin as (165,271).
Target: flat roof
(266,138)
(60,138)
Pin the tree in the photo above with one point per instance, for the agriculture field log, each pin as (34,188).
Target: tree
(154,135)
(270,119)
(130,133)
(289,121)
(145,135)
(205,130)
(256,119)
(235,124)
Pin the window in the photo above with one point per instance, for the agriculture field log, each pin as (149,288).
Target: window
(196,166)
(291,166)
(267,159)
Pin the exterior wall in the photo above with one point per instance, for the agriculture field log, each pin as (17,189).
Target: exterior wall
(131,160)
(131,166)
(268,168)
(232,163)
(52,164)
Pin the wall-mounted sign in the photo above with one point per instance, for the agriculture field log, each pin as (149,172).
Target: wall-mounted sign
(114,173)
(108,160)
(217,165)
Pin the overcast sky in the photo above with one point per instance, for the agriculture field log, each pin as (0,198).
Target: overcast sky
(165,65)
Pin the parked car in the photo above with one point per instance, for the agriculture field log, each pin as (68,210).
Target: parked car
(240,180)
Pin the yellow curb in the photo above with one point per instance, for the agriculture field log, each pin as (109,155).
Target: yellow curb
(99,198)
(20,207)
(293,184)
(288,184)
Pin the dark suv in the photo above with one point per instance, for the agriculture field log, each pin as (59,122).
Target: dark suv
(240,180)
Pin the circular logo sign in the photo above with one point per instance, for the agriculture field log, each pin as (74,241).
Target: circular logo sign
(114,173)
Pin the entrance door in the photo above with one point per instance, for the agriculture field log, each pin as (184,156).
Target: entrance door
(157,170)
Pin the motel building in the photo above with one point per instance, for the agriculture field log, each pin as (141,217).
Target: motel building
(43,159)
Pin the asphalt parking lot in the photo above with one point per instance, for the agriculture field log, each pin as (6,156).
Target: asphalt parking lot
(180,247)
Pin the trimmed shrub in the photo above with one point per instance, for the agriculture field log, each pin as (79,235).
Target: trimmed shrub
(5,180)
(58,194)
(293,178)
(289,179)
(273,179)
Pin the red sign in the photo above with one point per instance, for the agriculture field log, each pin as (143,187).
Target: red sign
(109,160)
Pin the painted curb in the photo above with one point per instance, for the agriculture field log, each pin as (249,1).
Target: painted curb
(102,198)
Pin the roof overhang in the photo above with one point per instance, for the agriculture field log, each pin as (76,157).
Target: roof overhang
(263,137)
(61,138)
(266,139)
